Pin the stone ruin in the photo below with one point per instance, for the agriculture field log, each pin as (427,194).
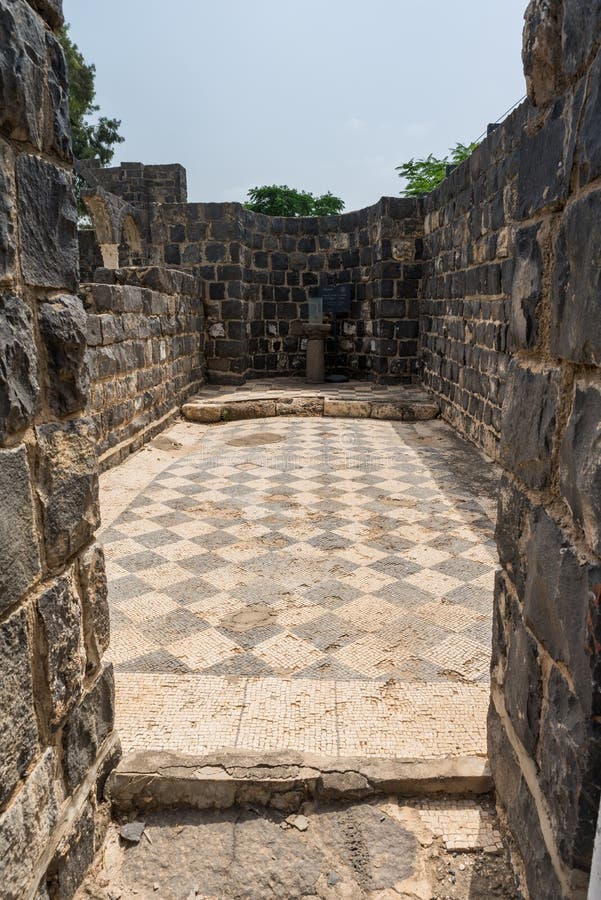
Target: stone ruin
(487,291)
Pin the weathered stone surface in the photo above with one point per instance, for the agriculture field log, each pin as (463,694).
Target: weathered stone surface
(248,409)
(520,808)
(512,530)
(60,616)
(299,406)
(67,483)
(580,462)
(18,729)
(527,439)
(526,288)
(88,725)
(541,51)
(343,409)
(581,27)
(201,412)
(570,767)
(63,325)
(22,61)
(545,159)
(47,224)
(523,680)
(19,388)
(50,10)
(57,134)
(588,149)
(576,322)
(92,578)
(7,213)
(558,592)
(74,855)
(19,558)
(26,826)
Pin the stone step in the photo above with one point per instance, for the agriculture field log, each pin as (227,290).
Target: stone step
(283,780)
(415,407)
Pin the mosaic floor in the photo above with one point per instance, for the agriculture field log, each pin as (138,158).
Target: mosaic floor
(319,584)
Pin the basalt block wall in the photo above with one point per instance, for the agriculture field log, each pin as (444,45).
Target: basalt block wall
(544,727)
(56,695)
(259,273)
(145,356)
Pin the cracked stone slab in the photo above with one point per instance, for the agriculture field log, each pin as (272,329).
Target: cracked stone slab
(158,780)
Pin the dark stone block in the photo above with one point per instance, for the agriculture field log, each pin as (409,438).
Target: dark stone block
(559,594)
(58,124)
(542,181)
(570,772)
(19,388)
(74,856)
(518,803)
(60,617)
(580,462)
(588,152)
(215,253)
(7,213)
(94,592)
(581,27)
(88,726)
(523,686)
(172,255)
(22,72)
(526,288)
(18,735)
(576,321)
(47,223)
(63,326)
(529,423)
(217,291)
(67,478)
(19,558)
(279,261)
(513,512)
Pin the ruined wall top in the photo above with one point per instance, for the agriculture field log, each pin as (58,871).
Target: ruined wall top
(137,183)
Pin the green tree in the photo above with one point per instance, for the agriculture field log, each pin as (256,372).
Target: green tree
(423,175)
(93,139)
(281,200)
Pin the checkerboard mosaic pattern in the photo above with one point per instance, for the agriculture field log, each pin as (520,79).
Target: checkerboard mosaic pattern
(326,550)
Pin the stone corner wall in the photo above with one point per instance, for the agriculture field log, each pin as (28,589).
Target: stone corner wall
(145,356)
(543,731)
(56,694)
(260,272)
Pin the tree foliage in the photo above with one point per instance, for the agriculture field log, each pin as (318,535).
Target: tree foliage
(423,175)
(281,200)
(94,137)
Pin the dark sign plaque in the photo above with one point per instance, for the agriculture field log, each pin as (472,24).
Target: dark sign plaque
(336,299)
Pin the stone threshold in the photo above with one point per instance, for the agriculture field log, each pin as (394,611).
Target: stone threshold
(283,780)
(404,404)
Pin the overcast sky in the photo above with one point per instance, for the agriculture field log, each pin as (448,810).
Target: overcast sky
(320,94)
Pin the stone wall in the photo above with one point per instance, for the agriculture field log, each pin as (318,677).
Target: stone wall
(56,694)
(145,335)
(545,715)
(259,273)
(473,249)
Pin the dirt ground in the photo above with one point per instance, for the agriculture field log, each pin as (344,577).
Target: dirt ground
(381,849)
